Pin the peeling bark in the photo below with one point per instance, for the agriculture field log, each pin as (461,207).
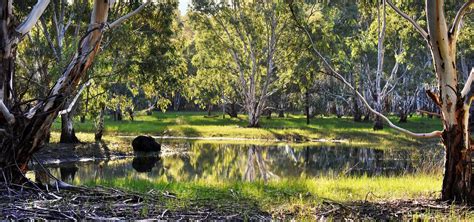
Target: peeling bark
(27,135)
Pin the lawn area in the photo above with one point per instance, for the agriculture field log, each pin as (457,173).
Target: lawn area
(291,128)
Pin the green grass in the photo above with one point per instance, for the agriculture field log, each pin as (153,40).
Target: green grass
(291,128)
(294,197)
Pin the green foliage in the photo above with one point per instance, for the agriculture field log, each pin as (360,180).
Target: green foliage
(141,65)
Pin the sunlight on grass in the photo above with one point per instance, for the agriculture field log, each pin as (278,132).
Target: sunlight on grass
(288,195)
(291,128)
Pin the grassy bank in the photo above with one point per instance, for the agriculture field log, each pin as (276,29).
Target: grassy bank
(299,198)
(290,128)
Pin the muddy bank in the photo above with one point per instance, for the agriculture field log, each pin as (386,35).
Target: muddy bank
(67,153)
(86,152)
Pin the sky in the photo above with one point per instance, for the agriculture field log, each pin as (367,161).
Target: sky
(183,6)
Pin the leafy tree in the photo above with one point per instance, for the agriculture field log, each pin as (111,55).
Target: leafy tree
(249,34)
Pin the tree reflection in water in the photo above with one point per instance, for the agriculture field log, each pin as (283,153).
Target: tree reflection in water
(220,162)
(144,164)
(255,162)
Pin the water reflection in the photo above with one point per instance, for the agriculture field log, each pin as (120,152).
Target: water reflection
(68,172)
(251,162)
(143,164)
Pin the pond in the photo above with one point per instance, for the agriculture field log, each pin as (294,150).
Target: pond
(220,162)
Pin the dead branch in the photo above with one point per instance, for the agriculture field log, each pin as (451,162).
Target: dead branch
(127,16)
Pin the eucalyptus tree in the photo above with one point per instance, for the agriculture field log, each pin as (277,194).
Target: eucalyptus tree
(141,75)
(25,124)
(206,87)
(62,18)
(454,98)
(209,81)
(249,34)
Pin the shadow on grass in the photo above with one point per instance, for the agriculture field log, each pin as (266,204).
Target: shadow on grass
(182,131)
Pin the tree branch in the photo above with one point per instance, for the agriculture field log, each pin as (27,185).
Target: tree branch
(468,90)
(6,113)
(335,74)
(454,32)
(434,97)
(120,20)
(408,18)
(73,102)
(33,17)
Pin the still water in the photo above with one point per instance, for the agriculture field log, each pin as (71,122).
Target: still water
(217,161)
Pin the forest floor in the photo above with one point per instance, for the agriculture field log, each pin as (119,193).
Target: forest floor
(291,128)
(240,201)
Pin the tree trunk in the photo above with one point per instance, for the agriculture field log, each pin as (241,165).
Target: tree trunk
(223,106)
(231,110)
(209,109)
(471,118)
(27,133)
(366,117)
(307,107)
(378,124)
(281,113)
(68,134)
(131,113)
(253,119)
(177,102)
(357,113)
(403,117)
(118,113)
(457,181)
(100,124)
(83,117)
